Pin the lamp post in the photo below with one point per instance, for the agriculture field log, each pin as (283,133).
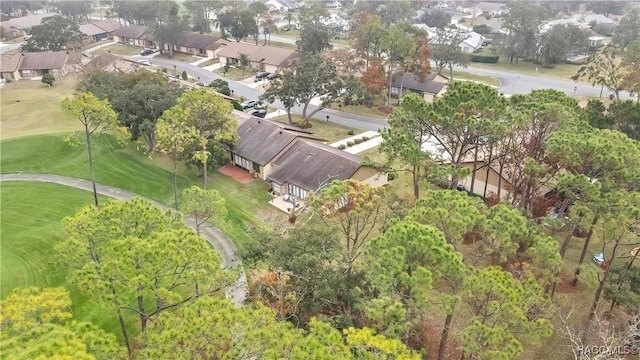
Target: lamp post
(175,70)
(327,118)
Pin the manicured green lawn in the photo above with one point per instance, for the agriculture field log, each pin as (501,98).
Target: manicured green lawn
(29,232)
(31,107)
(321,128)
(127,168)
(235,74)
(463,75)
(119,49)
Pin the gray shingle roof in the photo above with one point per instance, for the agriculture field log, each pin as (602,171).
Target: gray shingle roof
(308,164)
(412,82)
(261,140)
(43,60)
(201,41)
(91,30)
(131,32)
(108,25)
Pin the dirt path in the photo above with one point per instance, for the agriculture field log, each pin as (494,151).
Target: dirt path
(220,241)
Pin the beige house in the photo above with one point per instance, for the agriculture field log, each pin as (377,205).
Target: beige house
(434,85)
(10,66)
(295,161)
(489,175)
(20,26)
(136,35)
(261,58)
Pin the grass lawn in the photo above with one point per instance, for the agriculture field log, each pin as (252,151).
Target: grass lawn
(209,63)
(29,234)
(363,110)
(178,56)
(31,107)
(558,71)
(235,74)
(119,49)
(323,129)
(126,168)
(488,80)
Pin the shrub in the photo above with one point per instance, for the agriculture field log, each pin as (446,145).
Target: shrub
(351,132)
(365,138)
(342,146)
(350,143)
(48,79)
(236,105)
(487,59)
(164,70)
(224,90)
(185,77)
(358,141)
(482,29)
(391,176)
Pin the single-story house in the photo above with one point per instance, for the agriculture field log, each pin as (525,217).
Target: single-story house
(261,58)
(200,44)
(306,166)
(471,43)
(491,8)
(10,66)
(433,85)
(20,26)
(275,5)
(93,32)
(485,174)
(98,30)
(137,35)
(597,19)
(36,64)
(261,141)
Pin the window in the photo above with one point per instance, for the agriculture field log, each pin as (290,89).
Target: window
(297,191)
(256,167)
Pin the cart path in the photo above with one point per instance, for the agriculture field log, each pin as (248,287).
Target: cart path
(220,241)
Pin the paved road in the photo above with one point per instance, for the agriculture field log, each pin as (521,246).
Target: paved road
(6,47)
(221,242)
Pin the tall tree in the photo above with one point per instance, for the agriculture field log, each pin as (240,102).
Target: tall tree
(458,121)
(77,11)
(315,35)
(36,324)
(96,116)
(602,69)
(355,210)
(367,36)
(210,114)
(203,206)
(445,49)
(521,23)
(395,12)
(53,34)
(502,312)
(630,61)
(175,138)
(418,64)
(625,117)
(284,90)
(629,29)
(557,42)
(399,47)
(243,59)
(138,258)
(200,12)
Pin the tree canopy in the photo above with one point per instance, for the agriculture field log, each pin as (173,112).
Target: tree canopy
(54,33)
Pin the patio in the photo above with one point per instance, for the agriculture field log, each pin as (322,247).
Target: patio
(285,205)
(238,174)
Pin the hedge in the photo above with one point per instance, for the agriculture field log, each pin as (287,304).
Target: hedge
(350,143)
(342,146)
(357,141)
(488,59)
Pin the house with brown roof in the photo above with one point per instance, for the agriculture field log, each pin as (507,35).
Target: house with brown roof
(10,66)
(20,26)
(198,44)
(36,64)
(262,58)
(293,160)
(136,35)
(98,30)
(433,85)
(306,166)
(261,141)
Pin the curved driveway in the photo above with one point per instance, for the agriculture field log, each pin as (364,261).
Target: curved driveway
(221,242)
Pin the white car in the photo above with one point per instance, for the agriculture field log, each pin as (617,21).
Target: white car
(248,104)
(144,62)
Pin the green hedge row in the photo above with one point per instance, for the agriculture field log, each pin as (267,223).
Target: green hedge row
(488,59)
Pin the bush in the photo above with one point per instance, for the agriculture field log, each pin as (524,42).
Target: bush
(358,141)
(350,143)
(224,90)
(185,77)
(487,59)
(48,79)
(164,70)
(236,105)
(351,132)
(391,176)
(365,138)
(482,29)
(342,146)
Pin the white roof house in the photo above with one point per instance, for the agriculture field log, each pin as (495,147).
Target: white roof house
(276,5)
(570,21)
(597,18)
(472,42)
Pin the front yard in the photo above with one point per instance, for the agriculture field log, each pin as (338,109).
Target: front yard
(235,74)
(118,49)
(326,130)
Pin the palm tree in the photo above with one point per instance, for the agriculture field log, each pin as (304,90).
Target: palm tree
(268,26)
(244,62)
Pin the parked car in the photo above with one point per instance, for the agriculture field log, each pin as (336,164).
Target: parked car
(261,75)
(144,62)
(200,84)
(272,76)
(146,52)
(248,104)
(260,105)
(258,113)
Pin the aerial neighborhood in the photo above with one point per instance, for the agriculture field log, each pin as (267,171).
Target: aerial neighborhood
(320,179)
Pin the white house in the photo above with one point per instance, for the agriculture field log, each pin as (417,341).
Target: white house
(275,5)
(471,43)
